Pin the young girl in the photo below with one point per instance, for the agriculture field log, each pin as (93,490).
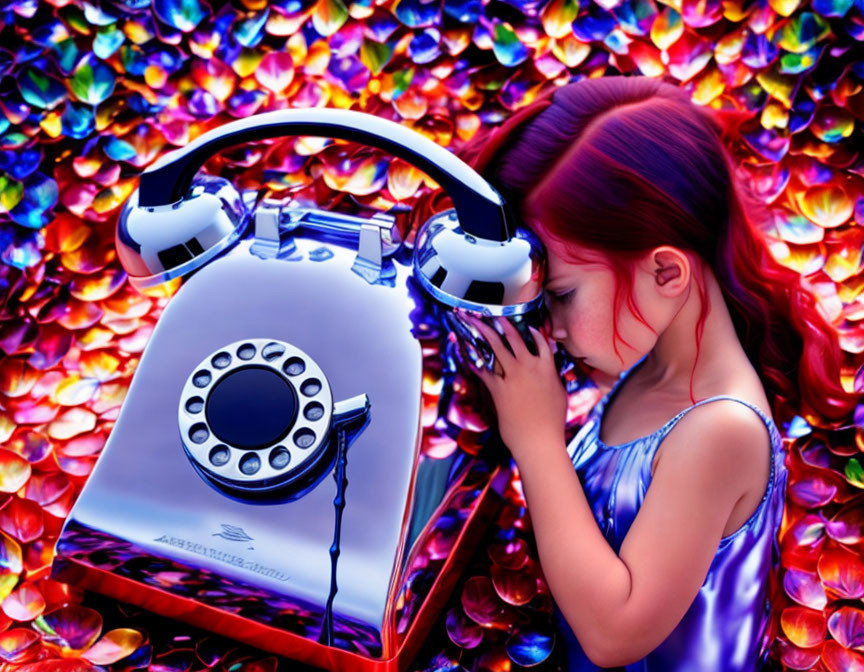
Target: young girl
(656,527)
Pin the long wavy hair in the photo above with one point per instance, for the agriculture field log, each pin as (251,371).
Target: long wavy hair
(620,165)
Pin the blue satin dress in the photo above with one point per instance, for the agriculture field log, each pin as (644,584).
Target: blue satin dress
(725,628)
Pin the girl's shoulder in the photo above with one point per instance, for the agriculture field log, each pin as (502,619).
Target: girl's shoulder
(743,442)
(637,414)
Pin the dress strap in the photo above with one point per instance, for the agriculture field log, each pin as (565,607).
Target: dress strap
(776,439)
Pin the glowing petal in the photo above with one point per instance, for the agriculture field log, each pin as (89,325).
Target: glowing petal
(19,645)
(480,601)
(184,15)
(832,124)
(114,645)
(812,491)
(276,71)
(32,446)
(418,13)
(22,519)
(462,631)
(10,565)
(838,659)
(14,471)
(842,572)
(75,391)
(71,423)
(516,587)
(528,647)
(92,81)
(826,205)
(506,46)
(798,229)
(688,56)
(557,17)
(403,179)
(73,628)
(701,13)
(801,32)
(40,89)
(99,286)
(804,627)
(329,16)
(847,525)
(24,603)
(795,658)
(805,588)
(846,625)
(16,377)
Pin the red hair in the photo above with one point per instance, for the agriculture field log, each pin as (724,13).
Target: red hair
(620,165)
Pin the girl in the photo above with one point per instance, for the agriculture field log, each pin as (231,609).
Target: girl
(656,526)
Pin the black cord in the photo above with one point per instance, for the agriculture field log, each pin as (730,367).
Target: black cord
(326,636)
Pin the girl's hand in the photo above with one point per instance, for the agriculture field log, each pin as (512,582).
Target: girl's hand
(527,391)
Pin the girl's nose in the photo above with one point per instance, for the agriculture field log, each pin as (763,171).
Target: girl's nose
(553,326)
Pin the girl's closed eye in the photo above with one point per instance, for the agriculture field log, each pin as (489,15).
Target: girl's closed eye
(560,298)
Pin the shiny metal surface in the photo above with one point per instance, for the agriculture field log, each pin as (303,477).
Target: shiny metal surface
(148,529)
(282,459)
(164,242)
(340,227)
(486,276)
(143,488)
(479,205)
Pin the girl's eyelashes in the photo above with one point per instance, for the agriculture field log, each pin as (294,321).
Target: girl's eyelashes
(560,298)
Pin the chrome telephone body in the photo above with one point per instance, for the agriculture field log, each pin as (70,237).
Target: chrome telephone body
(293,350)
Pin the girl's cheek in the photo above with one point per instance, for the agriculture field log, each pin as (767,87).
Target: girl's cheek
(577,327)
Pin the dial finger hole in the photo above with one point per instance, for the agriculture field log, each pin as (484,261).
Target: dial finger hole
(272,351)
(199,433)
(294,366)
(250,463)
(220,455)
(201,378)
(304,437)
(221,360)
(280,457)
(195,404)
(246,351)
(311,387)
(313,411)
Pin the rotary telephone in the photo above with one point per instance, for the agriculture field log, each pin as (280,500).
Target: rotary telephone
(291,351)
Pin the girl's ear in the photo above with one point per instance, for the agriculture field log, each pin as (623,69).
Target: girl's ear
(671,268)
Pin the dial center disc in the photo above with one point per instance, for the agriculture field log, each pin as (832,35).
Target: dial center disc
(251,407)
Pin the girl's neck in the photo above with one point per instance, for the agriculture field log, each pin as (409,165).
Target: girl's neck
(669,365)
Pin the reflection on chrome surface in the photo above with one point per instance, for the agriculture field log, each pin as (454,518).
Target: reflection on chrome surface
(224,536)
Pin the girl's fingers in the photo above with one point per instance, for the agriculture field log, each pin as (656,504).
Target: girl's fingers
(514,338)
(543,347)
(492,337)
(482,372)
(487,377)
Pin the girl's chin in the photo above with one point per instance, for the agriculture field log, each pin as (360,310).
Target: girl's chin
(582,362)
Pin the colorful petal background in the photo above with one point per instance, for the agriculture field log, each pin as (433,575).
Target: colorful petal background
(91,93)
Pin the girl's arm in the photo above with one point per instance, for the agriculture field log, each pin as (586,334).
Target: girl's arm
(621,607)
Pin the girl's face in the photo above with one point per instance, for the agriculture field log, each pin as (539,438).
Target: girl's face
(579,298)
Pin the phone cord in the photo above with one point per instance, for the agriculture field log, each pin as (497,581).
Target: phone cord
(326,636)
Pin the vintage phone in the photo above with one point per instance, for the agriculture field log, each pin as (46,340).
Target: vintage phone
(292,350)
